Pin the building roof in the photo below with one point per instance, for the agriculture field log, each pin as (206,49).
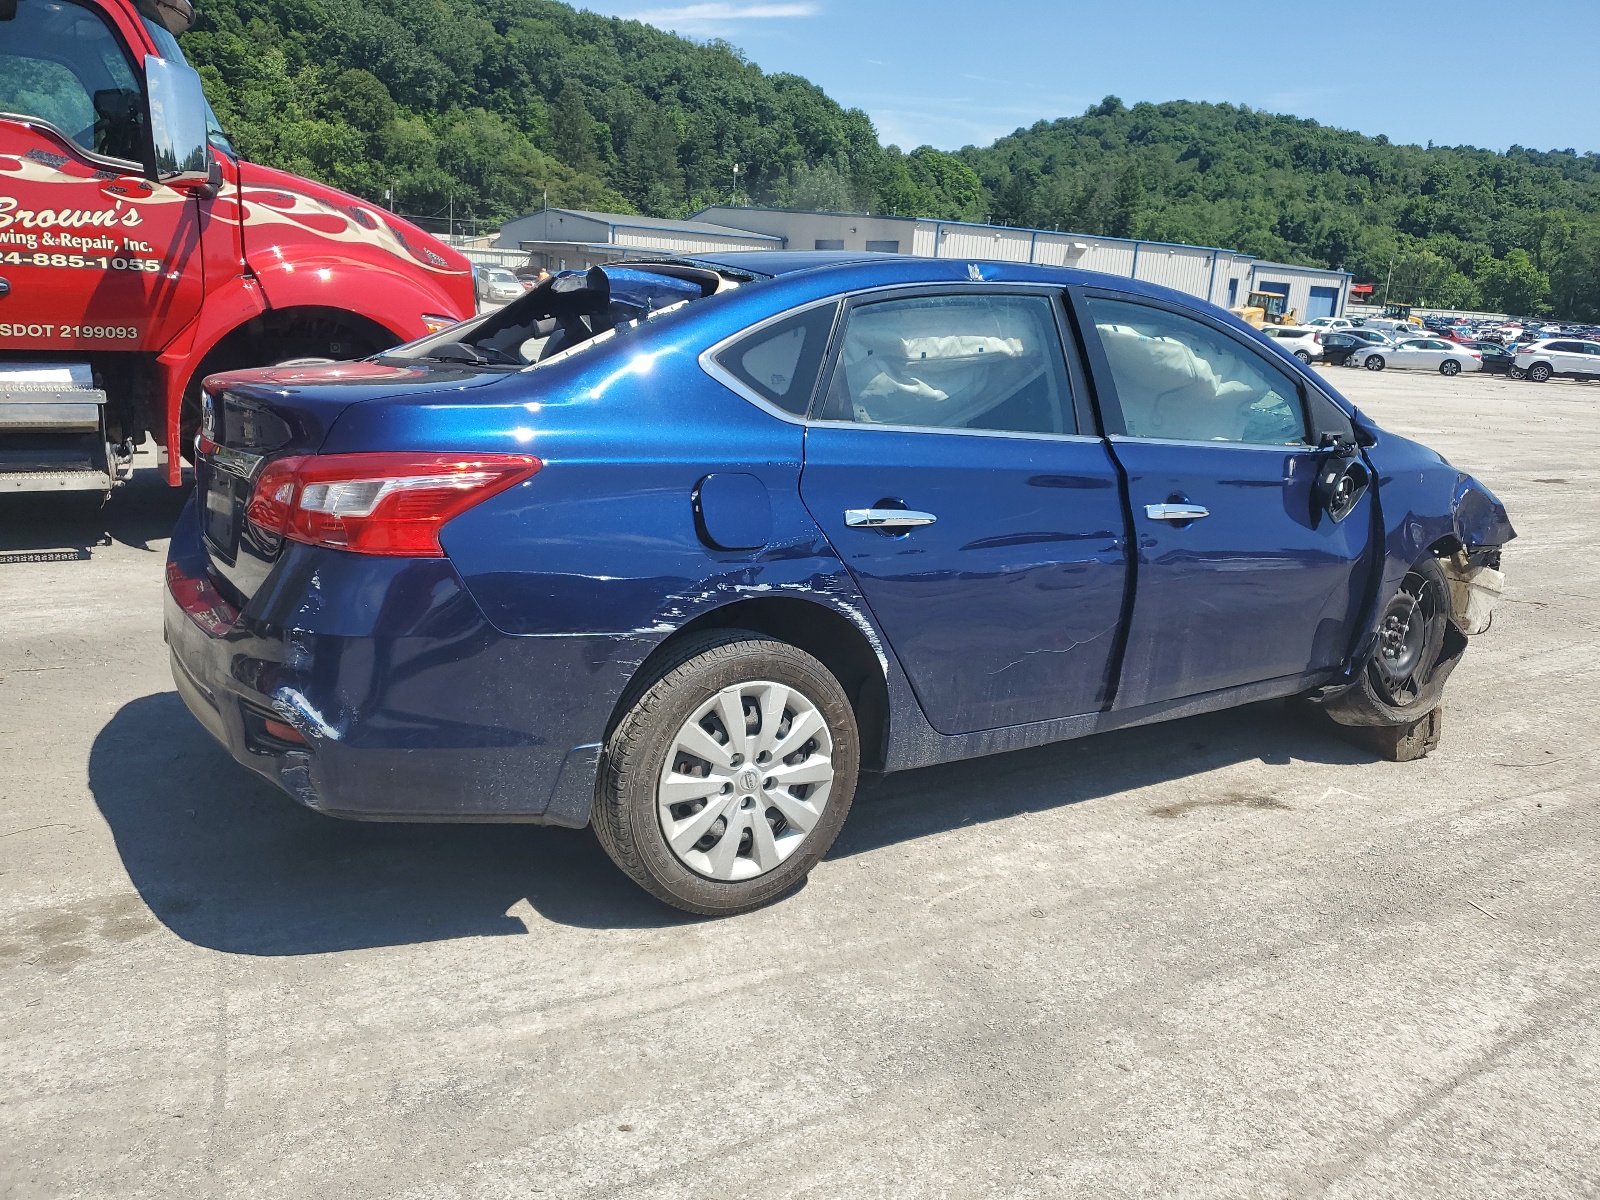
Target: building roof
(633,221)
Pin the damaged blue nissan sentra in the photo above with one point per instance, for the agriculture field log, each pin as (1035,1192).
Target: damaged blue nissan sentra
(679,548)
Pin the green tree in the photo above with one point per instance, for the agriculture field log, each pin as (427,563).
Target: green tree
(1513,284)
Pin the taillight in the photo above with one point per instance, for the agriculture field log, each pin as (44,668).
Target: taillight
(378,503)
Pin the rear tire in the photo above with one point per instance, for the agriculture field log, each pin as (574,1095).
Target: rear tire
(1539,373)
(1449,367)
(1374,362)
(1303,357)
(717,820)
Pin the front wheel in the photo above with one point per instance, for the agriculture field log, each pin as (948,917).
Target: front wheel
(729,774)
(1516,373)
(1374,362)
(1416,649)
(1449,367)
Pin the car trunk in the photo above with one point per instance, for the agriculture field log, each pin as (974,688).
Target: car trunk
(256,417)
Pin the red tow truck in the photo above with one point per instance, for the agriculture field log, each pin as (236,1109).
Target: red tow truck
(139,253)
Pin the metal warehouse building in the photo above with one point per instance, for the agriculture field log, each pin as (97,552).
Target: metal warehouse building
(569,238)
(1225,277)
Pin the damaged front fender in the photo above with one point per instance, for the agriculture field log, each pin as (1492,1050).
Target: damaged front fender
(1479,519)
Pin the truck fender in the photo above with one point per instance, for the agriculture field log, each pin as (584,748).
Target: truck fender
(225,309)
(396,300)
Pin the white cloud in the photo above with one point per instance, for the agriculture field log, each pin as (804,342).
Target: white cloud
(700,14)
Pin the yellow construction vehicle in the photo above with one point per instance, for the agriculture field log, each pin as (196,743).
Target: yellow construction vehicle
(1265,308)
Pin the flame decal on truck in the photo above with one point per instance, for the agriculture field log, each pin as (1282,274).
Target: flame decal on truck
(266,208)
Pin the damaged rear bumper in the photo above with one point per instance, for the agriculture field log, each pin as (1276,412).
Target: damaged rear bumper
(398,703)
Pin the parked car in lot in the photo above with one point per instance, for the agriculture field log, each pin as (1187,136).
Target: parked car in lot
(1339,345)
(497,285)
(1565,357)
(1497,360)
(1420,354)
(1329,323)
(1373,337)
(679,548)
(1305,344)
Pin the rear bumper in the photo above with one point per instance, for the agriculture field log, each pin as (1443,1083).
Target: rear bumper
(412,706)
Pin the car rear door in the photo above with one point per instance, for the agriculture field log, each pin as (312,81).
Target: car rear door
(1239,578)
(952,462)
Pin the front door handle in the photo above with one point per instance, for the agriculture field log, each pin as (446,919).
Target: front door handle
(886,518)
(1176,512)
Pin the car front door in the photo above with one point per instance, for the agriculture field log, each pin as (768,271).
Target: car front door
(945,463)
(1239,577)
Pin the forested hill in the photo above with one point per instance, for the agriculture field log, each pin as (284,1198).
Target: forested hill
(1457,225)
(498,103)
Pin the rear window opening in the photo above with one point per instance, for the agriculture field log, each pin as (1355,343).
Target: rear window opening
(564,312)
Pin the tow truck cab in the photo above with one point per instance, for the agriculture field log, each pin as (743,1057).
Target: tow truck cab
(139,253)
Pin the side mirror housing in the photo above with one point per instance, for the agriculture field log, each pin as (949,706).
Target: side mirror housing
(182,156)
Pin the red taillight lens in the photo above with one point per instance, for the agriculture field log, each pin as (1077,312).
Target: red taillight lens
(379,503)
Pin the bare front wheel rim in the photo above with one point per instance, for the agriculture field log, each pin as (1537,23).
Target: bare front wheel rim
(745,781)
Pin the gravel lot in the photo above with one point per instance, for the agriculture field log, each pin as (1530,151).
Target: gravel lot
(1231,956)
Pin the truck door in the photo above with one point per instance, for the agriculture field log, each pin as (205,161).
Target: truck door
(95,256)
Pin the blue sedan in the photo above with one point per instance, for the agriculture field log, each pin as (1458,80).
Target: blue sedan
(678,549)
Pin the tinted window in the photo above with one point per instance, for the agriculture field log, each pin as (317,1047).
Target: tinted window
(60,62)
(1179,379)
(975,361)
(780,361)
(1566,347)
(830,244)
(884,247)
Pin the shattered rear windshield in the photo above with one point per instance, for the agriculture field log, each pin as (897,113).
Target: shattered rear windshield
(564,311)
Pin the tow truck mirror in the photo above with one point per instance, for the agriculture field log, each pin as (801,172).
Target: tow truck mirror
(182,158)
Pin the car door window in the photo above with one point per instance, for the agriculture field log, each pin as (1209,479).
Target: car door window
(979,361)
(60,62)
(1181,380)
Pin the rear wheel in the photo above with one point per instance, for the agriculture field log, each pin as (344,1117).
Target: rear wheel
(1539,372)
(1449,367)
(1303,357)
(729,774)
(1374,362)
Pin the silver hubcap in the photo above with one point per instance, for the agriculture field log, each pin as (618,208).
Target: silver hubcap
(745,781)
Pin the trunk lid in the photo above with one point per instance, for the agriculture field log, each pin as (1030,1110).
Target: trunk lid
(251,418)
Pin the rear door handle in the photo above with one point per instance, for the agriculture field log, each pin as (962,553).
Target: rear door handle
(1176,512)
(886,518)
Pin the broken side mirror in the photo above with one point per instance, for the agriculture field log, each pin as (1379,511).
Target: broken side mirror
(182,151)
(1342,478)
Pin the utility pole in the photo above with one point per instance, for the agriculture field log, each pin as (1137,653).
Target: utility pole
(734,199)
(452,215)
(1387,282)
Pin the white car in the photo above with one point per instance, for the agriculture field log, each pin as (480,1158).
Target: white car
(496,285)
(1421,354)
(1393,326)
(1304,344)
(1559,356)
(1330,323)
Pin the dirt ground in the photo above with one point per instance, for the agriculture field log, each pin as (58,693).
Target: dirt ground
(1230,956)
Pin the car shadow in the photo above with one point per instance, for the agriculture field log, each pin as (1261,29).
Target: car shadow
(228,862)
(69,526)
(895,808)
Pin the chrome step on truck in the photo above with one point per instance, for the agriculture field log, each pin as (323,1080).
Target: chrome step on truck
(53,430)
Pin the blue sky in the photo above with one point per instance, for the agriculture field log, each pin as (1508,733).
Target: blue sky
(946,73)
